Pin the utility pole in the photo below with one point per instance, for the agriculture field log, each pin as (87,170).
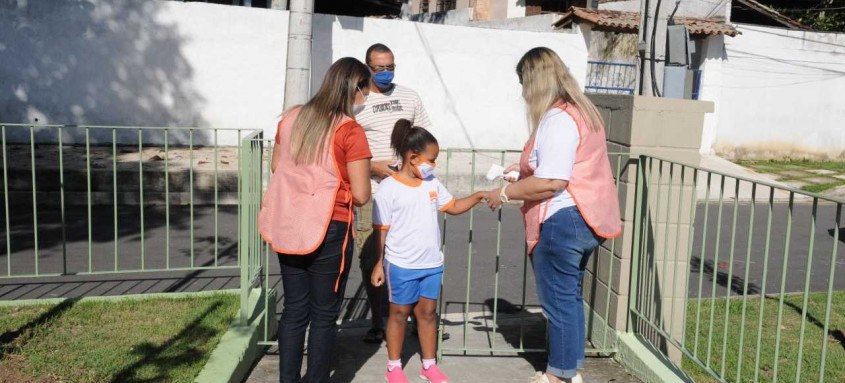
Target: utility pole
(652,45)
(298,73)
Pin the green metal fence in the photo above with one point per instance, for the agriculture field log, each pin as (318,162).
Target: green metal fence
(254,253)
(482,288)
(114,200)
(468,163)
(731,279)
(735,279)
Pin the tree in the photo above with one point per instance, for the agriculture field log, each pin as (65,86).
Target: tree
(821,15)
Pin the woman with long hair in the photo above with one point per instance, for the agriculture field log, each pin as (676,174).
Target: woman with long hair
(570,201)
(321,169)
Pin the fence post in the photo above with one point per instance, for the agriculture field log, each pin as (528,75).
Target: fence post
(243,233)
(636,247)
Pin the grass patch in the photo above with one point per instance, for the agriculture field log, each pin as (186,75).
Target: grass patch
(781,166)
(790,332)
(818,188)
(149,340)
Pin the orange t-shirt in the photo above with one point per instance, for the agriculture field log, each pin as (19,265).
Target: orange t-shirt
(350,144)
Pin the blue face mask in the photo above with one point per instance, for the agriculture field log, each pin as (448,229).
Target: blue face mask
(383,79)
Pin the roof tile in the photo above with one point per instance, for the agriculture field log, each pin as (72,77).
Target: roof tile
(620,21)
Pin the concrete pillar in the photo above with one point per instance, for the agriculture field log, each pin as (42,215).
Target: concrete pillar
(670,129)
(298,75)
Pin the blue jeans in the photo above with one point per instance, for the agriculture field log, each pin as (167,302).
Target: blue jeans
(310,299)
(559,259)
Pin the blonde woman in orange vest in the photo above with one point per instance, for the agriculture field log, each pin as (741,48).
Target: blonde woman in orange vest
(321,168)
(570,201)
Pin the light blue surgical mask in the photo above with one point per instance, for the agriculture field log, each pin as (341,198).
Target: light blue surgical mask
(383,79)
(425,170)
(358,108)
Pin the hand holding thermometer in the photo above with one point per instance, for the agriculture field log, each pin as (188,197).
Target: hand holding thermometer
(497,171)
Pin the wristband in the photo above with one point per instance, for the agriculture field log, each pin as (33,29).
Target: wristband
(502,195)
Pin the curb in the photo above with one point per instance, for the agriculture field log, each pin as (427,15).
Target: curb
(634,354)
(238,349)
(645,363)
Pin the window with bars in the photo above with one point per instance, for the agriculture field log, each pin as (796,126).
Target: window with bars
(446,5)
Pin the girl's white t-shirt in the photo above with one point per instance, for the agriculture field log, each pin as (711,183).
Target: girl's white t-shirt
(408,212)
(553,155)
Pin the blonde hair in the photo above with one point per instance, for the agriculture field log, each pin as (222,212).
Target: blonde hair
(313,129)
(546,80)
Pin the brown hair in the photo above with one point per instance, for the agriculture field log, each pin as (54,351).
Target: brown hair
(313,129)
(409,138)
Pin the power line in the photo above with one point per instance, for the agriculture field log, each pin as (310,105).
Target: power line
(811,9)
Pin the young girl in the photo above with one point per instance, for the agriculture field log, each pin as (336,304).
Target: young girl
(408,245)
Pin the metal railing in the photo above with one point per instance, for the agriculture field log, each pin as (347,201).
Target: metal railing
(736,279)
(611,77)
(501,234)
(731,279)
(253,252)
(113,199)
(506,251)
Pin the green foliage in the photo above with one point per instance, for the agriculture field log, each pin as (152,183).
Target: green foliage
(827,21)
(821,15)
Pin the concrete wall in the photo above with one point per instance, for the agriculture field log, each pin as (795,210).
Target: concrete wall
(167,63)
(466,17)
(505,9)
(461,16)
(483,9)
(689,8)
(669,129)
(538,23)
(777,93)
(465,76)
(609,46)
(147,63)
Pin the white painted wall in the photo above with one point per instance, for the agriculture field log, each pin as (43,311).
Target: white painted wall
(168,63)
(144,63)
(776,91)
(465,76)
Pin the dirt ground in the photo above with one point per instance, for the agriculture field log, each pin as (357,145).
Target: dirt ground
(126,158)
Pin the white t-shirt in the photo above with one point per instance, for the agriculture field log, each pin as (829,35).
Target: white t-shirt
(382,110)
(408,211)
(553,156)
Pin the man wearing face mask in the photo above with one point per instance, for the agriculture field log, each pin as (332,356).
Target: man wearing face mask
(386,104)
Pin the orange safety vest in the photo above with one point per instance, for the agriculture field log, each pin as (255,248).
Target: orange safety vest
(297,207)
(591,184)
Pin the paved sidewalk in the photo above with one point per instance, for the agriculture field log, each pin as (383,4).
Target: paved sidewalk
(361,362)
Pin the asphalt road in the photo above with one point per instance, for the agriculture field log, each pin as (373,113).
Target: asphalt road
(470,266)
(793,254)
